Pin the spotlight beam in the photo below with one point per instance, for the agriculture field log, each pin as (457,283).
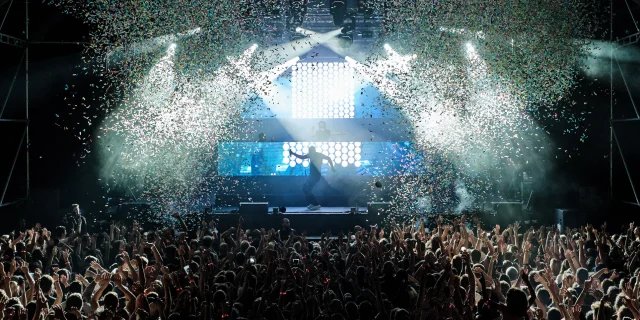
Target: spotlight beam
(120,53)
(274,72)
(275,55)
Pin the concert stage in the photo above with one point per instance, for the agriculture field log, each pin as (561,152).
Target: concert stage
(298,210)
(314,223)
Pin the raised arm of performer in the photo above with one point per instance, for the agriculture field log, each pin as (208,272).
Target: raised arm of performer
(330,162)
(298,155)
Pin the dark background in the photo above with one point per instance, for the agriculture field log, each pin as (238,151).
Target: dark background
(59,176)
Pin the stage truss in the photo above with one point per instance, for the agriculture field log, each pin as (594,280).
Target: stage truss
(21,134)
(617,44)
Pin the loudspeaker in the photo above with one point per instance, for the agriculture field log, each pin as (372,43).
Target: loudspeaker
(378,208)
(253,208)
(571,218)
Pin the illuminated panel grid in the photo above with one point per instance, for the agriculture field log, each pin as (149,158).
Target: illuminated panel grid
(342,153)
(322,90)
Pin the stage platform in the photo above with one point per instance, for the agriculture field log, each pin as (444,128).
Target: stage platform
(314,223)
(298,210)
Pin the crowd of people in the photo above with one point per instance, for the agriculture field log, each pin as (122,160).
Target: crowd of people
(457,270)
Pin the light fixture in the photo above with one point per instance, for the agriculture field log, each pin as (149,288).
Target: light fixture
(348,25)
(172,49)
(345,38)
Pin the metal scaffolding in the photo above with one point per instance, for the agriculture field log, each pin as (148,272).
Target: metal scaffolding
(23,135)
(6,39)
(613,138)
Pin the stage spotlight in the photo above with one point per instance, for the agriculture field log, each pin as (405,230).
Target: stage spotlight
(276,71)
(469,47)
(297,36)
(338,10)
(345,38)
(348,25)
(172,49)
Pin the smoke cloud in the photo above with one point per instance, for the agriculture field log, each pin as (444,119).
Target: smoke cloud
(465,197)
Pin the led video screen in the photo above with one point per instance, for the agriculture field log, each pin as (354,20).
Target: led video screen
(350,158)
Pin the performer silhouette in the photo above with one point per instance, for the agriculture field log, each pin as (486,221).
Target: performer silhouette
(315,164)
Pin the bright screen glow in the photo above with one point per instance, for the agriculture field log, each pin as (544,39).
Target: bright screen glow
(322,90)
(350,158)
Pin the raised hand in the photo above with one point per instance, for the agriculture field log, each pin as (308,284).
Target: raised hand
(539,279)
(13,267)
(65,255)
(96,266)
(104,279)
(3,301)
(58,311)
(614,275)
(577,311)
(76,312)
(80,278)
(142,303)
(22,314)
(136,288)
(41,301)
(568,253)
(24,267)
(117,279)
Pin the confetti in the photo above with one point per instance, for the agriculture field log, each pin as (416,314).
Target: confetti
(476,86)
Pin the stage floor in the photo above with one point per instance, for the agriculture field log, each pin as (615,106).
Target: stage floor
(298,210)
